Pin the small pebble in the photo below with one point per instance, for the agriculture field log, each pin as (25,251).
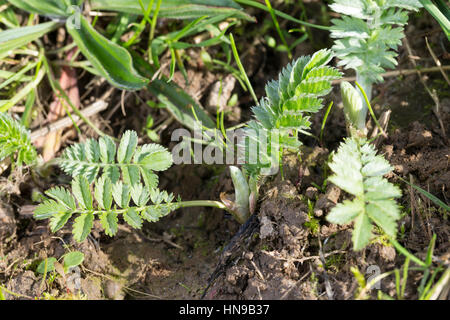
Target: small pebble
(249,255)
(113,290)
(311,193)
(318,212)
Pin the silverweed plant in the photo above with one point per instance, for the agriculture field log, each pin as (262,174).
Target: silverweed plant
(109,182)
(367,37)
(279,118)
(289,104)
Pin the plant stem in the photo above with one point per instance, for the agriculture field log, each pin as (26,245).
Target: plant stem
(277,27)
(173,206)
(202,203)
(242,194)
(241,68)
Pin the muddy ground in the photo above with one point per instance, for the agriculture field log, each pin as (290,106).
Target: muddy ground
(287,250)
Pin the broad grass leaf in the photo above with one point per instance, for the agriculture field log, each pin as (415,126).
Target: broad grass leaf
(180,104)
(55,8)
(111,60)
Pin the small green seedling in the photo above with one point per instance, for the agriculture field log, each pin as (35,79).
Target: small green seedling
(70,260)
(367,35)
(359,171)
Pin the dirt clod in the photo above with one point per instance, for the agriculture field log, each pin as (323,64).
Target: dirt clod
(7,222)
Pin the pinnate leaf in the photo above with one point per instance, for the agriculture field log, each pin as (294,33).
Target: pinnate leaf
(103,192)
(362,232)
(82,226)
(58,220)
(154,157)
(346,211)
(107,149)
(109,222)
(63,197)
(121,194)
(82,192)
(127,146)
(48,208)
(133,218)
(359,171)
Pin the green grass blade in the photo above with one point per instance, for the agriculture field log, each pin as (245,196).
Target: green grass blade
(281,14)
(404,277)
(429,258)
(277,27)
(325,117)
(444,8)
(438,14)
(406,253)
(8,16)
(23,92)
(241,69)
(439,287)
(17,76)
(433,198)
(17,37)
(176,9)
